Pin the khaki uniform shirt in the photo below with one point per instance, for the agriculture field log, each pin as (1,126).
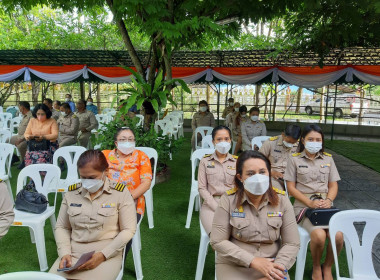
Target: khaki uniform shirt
(202,120)
(110,216)
(6,209)
(24,124)
(236,129)
(230,119)
(87,120)
(68,126)
(55,114)
(227,110)
(214,178)
(250,129)
(277,153)
(311,176)
(239,234)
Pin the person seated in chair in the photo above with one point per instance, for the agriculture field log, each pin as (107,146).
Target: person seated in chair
(6,209)
(68,126)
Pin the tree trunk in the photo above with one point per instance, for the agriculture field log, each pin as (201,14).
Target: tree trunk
(270,29)
(321,113)
(262,26)
(299,97)
(82,89)
(274,103)
(45,88)
(98,97)
(18,86)
(54,85)
(266,104)
(257,95)
(35,92)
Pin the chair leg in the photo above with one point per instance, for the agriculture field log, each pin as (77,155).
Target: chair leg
(349,257)
(196,206)
(215,266)
(193,195)
(8,183)
(32,238)
(203,246)
(40,244)
(137,256)
(53,223)
(301,258)
(149,207)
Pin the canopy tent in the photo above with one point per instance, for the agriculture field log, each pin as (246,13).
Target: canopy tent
(355,65)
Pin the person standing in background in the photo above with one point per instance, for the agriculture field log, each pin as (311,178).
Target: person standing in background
(71,103)
(55,114)
(87,122)
(91,107)
(229,108)
(201,118)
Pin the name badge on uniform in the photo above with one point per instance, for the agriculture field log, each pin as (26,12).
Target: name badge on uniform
(275,214)
(278,151)
(238,213)
(75,205)
(325,165)
(108,205)
(231,167)
(211,165)
(303,166)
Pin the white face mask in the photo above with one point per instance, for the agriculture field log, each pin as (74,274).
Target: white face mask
(257,184)
(287,145)
(67,99)
(231,104)
(254,118)
(244,115)
(89,103)
(203,109)
(126,147)
(63,114)
(223,147)
(236,109)
(92,185)
(313,147)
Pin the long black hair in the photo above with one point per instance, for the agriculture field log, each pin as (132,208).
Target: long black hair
(293,131)
(204,102)
(220,127)
(306,130)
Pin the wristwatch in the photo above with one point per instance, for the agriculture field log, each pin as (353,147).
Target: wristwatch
(332,202)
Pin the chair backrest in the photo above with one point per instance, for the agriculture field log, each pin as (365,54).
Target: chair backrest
(141,120)
(30,275)
(50,181)
(71,155)
(152,154)
(258,141)
(13,110)
(203,131)
(344,222)
(207,142)
(179,115)
(174,119)
(196,156)
(5,135)
(102,118)
(15,123)
(106,110)
(6,153)
(6,119)
(165,125)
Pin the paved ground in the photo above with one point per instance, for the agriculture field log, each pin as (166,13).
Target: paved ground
(359,189)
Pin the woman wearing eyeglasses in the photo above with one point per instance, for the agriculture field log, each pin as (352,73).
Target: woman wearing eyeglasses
(130,167)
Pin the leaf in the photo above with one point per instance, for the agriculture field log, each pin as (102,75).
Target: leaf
(131,100)
(140,102)
(181,82)
(158,81)
(163,99)
(154,104)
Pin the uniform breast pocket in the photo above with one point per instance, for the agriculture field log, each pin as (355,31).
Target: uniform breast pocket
(274,226)
(304,175)
(75,217)
(107,217)
(324,174)
(230,176)
(240,229)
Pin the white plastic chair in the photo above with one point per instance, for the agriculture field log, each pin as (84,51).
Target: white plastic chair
(175,124)
(6,119)
(71,155)
(102,118)
(15,123)
(362,264)
(36,222)
(258,141)
(203,131)
(166,126)
(195,157)
(180,124)
(5,135)
(207,142)
(6,153)
(30,275)
(152,154)
(141,120)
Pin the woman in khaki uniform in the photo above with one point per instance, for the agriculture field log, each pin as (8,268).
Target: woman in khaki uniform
(252,128)
(254,231)
(236,127)
(278,149)
(202,118)
(312,171)
(96,215)
(231,116)
(216,174)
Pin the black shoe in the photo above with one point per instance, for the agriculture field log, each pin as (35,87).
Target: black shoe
(15,159)
(21,165)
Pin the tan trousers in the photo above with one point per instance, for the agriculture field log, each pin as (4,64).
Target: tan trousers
(84,138)
(21,147)
(67,141)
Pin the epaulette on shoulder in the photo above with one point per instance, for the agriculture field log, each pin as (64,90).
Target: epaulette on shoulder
(235,157)
(273,138)
(261,121)
(279,191)
(208,155)
(327,154)
(120,187)
(231,191)
(74,116)
(73,187)
(296,154)
(1,180)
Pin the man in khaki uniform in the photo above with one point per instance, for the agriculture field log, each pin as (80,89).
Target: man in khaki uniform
(6,209)
(201,118)
(231,116)
(214,178)
(239,234)
(278,149)
(54,113)
(252,128)
(229,108)
(19,139)
(68,126)
(87,122)
(102,224)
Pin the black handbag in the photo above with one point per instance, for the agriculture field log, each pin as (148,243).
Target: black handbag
(321,216)
(29,200)
(34,145)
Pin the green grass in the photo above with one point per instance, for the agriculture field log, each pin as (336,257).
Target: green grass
(365,153)
(169,250)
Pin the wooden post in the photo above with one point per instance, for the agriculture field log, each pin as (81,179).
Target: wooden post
(82,88)
(98,96)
